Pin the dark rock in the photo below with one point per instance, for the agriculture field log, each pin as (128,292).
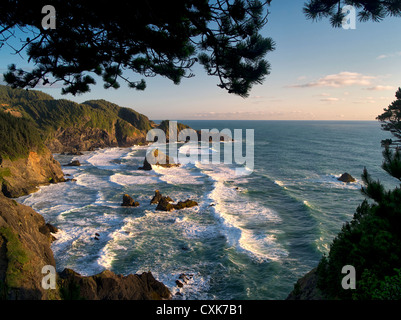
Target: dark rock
(346,177)
(179,283)
(75,152)
(129,202)
(164,204)
(146,166)
(185,204)
(157,197)
(74,163)
(109,286)
(26,234)
(96,238)
(158,158)
(97,235)
(306,288)
(47,229)
(184,277)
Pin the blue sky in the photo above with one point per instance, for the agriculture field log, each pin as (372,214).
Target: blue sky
(318,73)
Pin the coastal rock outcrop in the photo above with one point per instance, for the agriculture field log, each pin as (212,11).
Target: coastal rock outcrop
(25,240)
(185,204)
(109,286)
(157,197)
(128,201)
(306,288)
(347,178)
(24,175)
(74,163)
(158,158)
(24,250)
(164,203)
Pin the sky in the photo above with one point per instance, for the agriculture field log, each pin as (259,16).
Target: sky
(317,73)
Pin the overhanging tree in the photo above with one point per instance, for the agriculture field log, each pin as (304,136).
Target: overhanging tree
(368,10)
(150,38)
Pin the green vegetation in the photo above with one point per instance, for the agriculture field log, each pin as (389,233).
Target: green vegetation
(71,291)
(18,136)
(17,257)
(30,119)
(371,242)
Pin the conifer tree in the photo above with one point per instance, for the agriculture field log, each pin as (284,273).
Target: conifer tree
(121,40)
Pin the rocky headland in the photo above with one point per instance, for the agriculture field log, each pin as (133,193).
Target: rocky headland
(34,126)
(24,175)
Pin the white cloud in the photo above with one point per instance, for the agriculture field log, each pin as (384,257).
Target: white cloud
(380,88)
(389,55)
(338,80)
(329,99)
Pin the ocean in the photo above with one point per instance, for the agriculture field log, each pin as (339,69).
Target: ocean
(251,236)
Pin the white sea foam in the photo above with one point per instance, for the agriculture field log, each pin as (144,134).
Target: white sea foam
(331,180)
(91,181)
(125,180)
(197,149)
(105,158)
(179,175)
(280,183)
(239,217)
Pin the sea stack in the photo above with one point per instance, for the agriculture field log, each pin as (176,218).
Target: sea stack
(74,163)
(346,177)
(129,202)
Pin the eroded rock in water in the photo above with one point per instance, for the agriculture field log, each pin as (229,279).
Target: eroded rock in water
(156,198)
(164,204)
(346,177)
(185,204)
(158,158)
(74,163)
(129,202)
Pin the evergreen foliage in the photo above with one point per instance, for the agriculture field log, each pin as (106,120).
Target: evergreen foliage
(373,10)
(391,121)
(149,38)
(18,136)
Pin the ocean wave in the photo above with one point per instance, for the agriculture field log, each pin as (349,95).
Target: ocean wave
(183,174)
(245,223)
(107,158)
(331,180)
(125,180)
(91,181)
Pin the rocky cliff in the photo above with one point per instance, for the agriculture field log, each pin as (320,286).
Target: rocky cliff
(306,288)
(24,250)
(23,176)
(66,126)
(109,286)
(25,241)
(32,126)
